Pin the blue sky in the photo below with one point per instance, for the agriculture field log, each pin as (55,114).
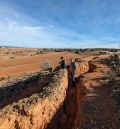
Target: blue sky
(60,23)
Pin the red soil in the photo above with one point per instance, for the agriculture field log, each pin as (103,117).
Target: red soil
(96,109)
(20,65)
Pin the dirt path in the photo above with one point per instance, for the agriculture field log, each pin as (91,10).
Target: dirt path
(97,109)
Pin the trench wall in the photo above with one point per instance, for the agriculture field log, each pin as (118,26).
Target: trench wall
(36,111)
(81,67)
(23,88)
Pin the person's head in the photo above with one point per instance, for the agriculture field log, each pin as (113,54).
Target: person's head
(61,58)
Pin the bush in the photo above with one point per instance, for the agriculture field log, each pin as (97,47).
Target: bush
(76,52)
(46,65)
(2,78)
(11,57)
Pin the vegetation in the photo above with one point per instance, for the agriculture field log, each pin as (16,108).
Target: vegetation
(2,78)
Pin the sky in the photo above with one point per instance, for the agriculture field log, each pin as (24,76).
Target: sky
(60,23)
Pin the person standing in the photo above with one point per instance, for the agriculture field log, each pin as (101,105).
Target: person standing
(62,63)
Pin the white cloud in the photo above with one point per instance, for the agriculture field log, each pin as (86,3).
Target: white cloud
(10,28)
(11,33)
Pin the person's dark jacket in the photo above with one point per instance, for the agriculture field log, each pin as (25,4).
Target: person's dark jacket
(62,64)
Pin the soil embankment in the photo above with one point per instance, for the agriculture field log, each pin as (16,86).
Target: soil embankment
(13,92)
(37,110)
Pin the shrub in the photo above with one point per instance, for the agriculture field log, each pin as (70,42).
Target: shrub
(2,78)
(11,57)
(46,65)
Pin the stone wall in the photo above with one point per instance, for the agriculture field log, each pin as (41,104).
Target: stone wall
(37,110)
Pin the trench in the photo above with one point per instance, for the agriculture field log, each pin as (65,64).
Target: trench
(68,115)
(64,118)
